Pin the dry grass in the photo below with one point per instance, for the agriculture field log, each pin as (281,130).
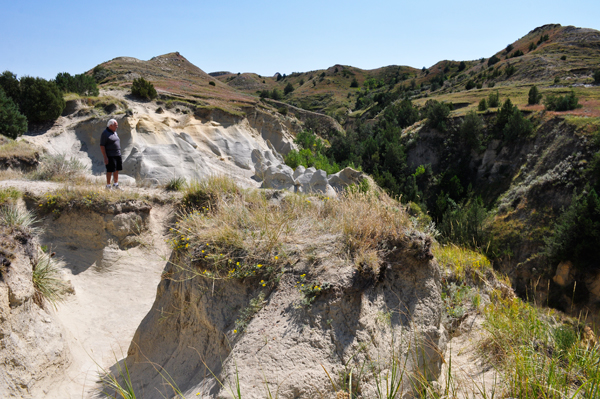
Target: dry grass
(230,232)
(71,197)
(16,149)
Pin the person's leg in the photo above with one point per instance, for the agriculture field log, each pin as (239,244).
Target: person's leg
(108,176)
(116,177)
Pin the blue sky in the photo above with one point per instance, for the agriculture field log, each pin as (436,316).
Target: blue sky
(43,38)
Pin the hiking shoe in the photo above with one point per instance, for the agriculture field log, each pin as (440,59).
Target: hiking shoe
(108,187)
(116,187)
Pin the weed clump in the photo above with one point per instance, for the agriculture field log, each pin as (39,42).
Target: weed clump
(47,281)
(59,168)
(227,232)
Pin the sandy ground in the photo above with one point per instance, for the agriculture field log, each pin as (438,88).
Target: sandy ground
(471,377)
(111,299)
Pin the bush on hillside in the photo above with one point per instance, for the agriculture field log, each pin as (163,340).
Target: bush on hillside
(562,103)
(510,122)
(41,100)
(81,84)
(288,88)
(534,96)
(482,105)
(494,99)
(461,66)
(403,113)
(471,129)
(463,224)
(12,123)
(143,89)
(516,125)
(597,77)
(276,95)
(510,70)
(493,60)
(354,83)
(470,84)
(437,114)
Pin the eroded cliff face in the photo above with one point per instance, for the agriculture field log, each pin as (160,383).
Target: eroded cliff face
(159,144)
(285,346)
(32,343)
(527,183)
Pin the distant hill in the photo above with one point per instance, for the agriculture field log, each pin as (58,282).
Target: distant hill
(174,75)
(550,55)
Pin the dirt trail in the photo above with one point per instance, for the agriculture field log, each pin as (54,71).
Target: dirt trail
(114,290)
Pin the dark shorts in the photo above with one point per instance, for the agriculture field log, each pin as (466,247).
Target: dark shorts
(114,164)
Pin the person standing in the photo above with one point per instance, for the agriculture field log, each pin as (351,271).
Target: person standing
(110,145)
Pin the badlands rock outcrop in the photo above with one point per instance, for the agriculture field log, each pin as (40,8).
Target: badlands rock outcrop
(32,343)
(360,323)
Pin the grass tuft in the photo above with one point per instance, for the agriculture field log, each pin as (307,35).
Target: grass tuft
(12,216)
(176,184)
(47,280)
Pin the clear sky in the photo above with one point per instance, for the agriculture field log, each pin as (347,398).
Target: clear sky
(43,38)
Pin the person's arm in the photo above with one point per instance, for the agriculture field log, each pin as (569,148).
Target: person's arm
(103,149)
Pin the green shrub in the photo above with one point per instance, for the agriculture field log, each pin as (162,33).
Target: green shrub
(534,96)
(516,126)
(597,77)
(143,89)
(437,114)
(212,83)
(494,99)
(463,225)
(563,58)
(288,88)
(312,153)
(471,129)
(354,83)
(82,84)
(510,70)
(41,100)
(470,84)
(402,113)
(482,105)
(493,60)
(12,123)
(561,103)
(517,53)
(276,95)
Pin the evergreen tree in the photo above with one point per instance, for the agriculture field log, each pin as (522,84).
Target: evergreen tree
(41,100)
(10,84)
(534,96)
(288,88)
(12,122)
